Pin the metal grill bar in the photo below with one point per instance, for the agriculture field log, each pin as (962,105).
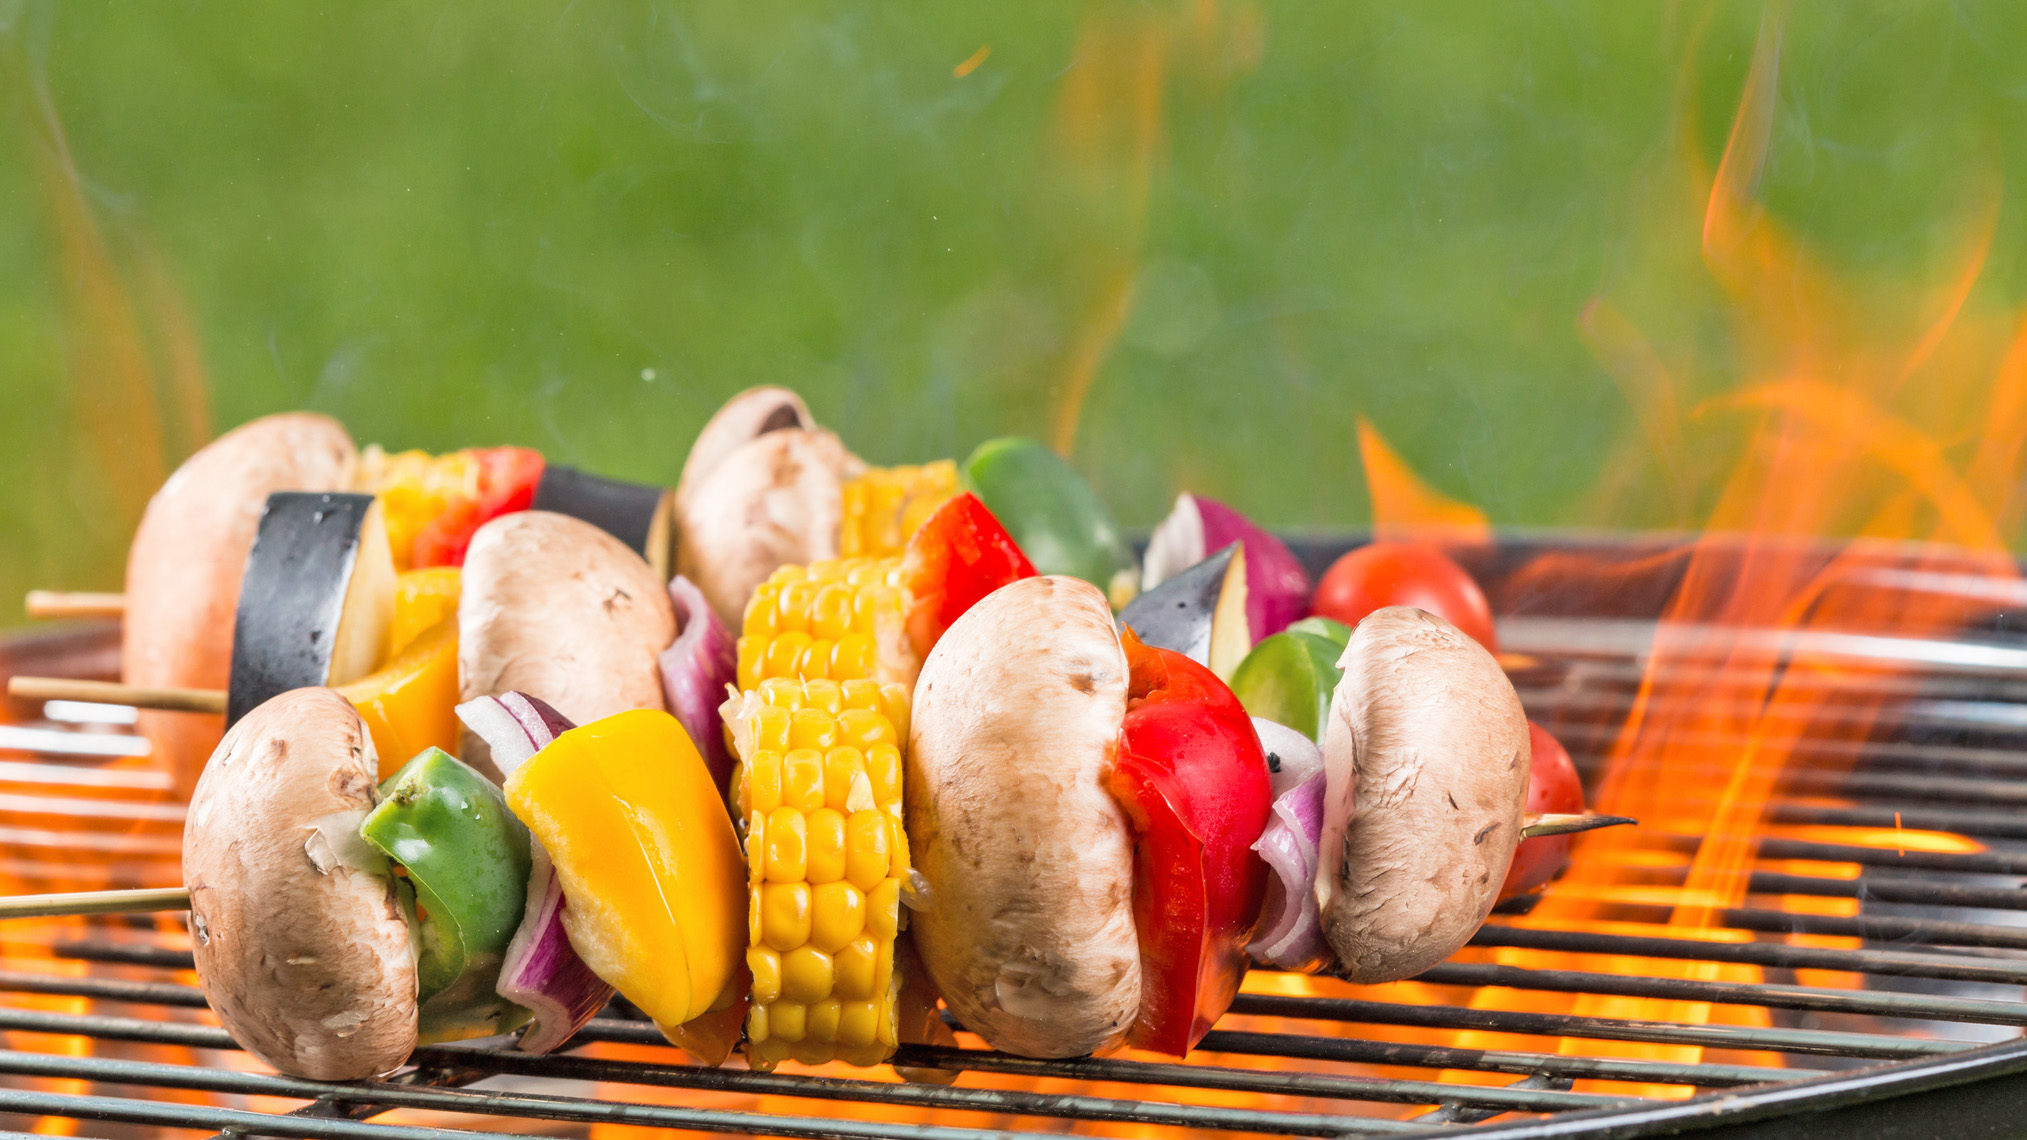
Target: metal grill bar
(1488,1060)
(1886,962)
(1808,1041)
(392,1095)
(1919,1007)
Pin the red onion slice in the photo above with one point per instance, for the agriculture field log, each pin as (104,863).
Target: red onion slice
(1290,933)
(541,970)
(514,725)
(1277,586)
(696,667)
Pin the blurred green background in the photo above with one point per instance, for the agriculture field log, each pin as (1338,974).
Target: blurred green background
(1192,241)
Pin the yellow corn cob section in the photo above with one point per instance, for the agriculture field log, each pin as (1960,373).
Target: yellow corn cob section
(819,789)
(886,505)
(841,620)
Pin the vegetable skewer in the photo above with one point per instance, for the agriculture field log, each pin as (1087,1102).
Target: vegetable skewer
(151,900)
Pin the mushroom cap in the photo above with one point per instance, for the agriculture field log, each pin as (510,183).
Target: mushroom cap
(1028,929)
(184,565)
(302,947)
(770,502)
(1428,738)
(748,415)
(557,608)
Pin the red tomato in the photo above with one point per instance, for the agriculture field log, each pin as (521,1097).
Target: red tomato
(959,556)
(1552,786)
(1382,574)
(1192,780)
(507,478)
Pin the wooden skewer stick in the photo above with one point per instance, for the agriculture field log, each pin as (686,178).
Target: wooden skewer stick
(71,604)
(95,902)
(1534,825)
(113,693)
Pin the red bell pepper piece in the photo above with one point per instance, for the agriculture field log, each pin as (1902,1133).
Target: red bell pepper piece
(1192,779)
(507,478)
(958,557)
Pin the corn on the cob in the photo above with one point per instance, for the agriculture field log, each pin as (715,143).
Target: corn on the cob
(840,620)
(819,788)
(886,505)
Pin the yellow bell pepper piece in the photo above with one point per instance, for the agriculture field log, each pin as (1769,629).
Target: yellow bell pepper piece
(650,868)
(422,598)
(410,703)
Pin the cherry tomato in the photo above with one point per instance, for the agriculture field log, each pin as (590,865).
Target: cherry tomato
(1552,786)
(959,556)
(1192,779)
(1383,574)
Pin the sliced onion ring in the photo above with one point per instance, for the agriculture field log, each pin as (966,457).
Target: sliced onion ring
(1290,933)
(696,667)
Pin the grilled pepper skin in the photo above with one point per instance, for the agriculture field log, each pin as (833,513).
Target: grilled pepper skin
(650,867)
(467,862)
(1057,519)
(1192,780)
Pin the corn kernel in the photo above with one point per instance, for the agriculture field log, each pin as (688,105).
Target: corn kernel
(857,965)
(883,909)
(802,779)
(839,915)
(823,1020)
(792,605)
(858,1024)
(763,788)
(771,729)
(841,766)
(742,791)
(768,1052)
(784,654)
(813,1052)
(867,855)
(751,650)
(883,967)
(813,728)
(826,846)
(897,854)
(864,572)
(781,692)
(894,702)
(861,693)
(824,695)
(807,974)
(830,612)
(789,1021)
(854,656)
(868,1056)
(788,572)
(755,929)
(786,846)
(762,619)
(883,767)
(756,1022)
(756,846)
(786,914)
(815,659)
(863,729)
(766,967)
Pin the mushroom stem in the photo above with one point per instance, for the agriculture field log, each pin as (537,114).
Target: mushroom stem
(73,604)
(1553,823)
(108,692)
(95,902)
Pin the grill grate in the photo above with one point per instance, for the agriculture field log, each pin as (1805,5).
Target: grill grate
(103,1026)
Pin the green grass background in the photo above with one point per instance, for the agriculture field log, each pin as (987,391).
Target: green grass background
(580,227)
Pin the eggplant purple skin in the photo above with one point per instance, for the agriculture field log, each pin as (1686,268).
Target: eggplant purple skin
(292,596)
(1178,614)
(626,511)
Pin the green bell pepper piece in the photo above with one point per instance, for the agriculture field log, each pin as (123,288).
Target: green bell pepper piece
(1059,521)
(468,865)
(1289,679)
(1325,628)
